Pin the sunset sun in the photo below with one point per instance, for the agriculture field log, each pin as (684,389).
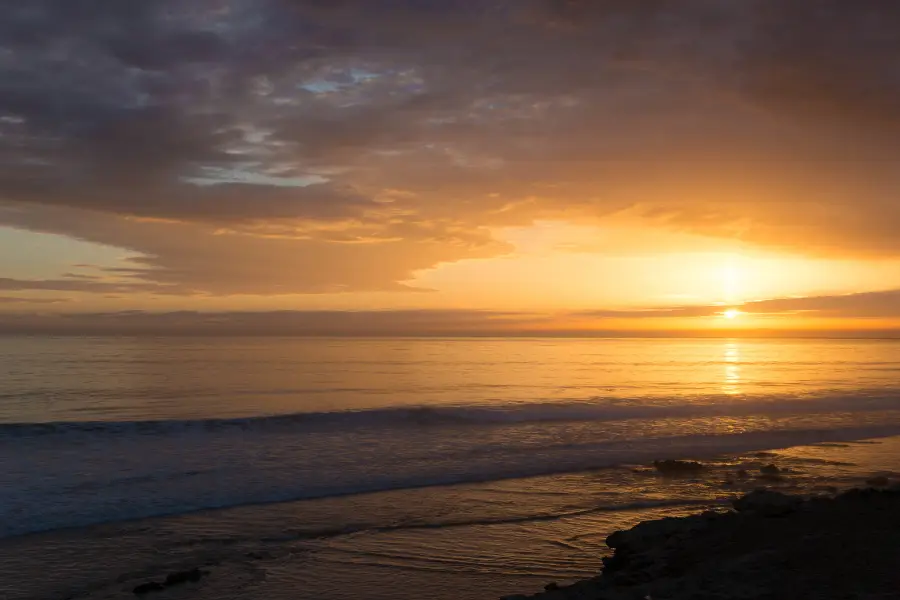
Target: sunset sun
(732,313)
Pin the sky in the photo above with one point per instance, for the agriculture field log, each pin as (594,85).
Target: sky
(450,166)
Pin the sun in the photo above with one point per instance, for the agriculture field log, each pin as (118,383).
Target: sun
(732,313)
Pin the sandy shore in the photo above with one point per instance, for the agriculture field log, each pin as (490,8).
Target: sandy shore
(769,546)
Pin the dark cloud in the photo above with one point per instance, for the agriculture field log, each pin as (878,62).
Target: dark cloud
(228,202)
(300,145)
(828,60)
(77,284)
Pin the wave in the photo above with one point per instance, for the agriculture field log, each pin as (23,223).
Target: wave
(595,409)
(353,529)
(241,475)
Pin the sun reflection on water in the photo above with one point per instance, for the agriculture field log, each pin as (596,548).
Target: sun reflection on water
(731,384)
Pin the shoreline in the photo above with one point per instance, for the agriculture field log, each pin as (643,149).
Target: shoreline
(522,534)
(770,545)
(704,446)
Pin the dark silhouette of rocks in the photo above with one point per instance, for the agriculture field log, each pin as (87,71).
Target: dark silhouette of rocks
(772,546)
(146,588)
(180,577)
(172,579)
(678,467)
(767,502)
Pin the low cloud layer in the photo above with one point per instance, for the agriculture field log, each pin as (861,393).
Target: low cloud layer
(884,307)
(27,300)
(300,146)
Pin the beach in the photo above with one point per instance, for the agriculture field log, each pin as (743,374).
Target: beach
(397,548)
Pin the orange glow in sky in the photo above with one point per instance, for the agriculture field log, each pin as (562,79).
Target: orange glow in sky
(671,178)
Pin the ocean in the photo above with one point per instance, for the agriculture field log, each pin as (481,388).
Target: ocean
(352,468)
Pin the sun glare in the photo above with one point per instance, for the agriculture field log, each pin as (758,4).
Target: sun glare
(731,313)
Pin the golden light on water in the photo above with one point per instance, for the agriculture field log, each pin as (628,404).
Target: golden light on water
(732,358)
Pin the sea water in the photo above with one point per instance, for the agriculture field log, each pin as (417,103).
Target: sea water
(361,439)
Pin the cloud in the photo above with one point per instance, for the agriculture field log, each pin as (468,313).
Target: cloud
(27,300)
(76,284)
(884,304)
(667,320)
(309,323)
(302,146)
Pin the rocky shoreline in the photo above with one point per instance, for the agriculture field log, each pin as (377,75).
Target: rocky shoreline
(769,546)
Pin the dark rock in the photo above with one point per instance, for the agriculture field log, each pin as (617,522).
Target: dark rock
(767,503)
(770,470)
(180,577)
(833,548)
(551,586)
(678,467)
(146,588)
(878,481)
(743,474)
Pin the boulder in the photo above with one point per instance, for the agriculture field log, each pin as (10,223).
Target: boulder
(770,470)
(678,467)
(880,481)
(767,503)
(180,577)
(146,588)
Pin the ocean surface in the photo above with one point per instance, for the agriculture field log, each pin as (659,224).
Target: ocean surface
(387,452)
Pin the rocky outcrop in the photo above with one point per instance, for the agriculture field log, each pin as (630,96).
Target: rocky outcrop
(678,467)
(172,579)
(771,546)
(767,503)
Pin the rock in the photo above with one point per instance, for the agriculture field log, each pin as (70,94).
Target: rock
(678,467)
(551,586)
(180,577)
(146,588)
(878,481)
(767,503)
(770,470)
(743,474)
(831,547)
